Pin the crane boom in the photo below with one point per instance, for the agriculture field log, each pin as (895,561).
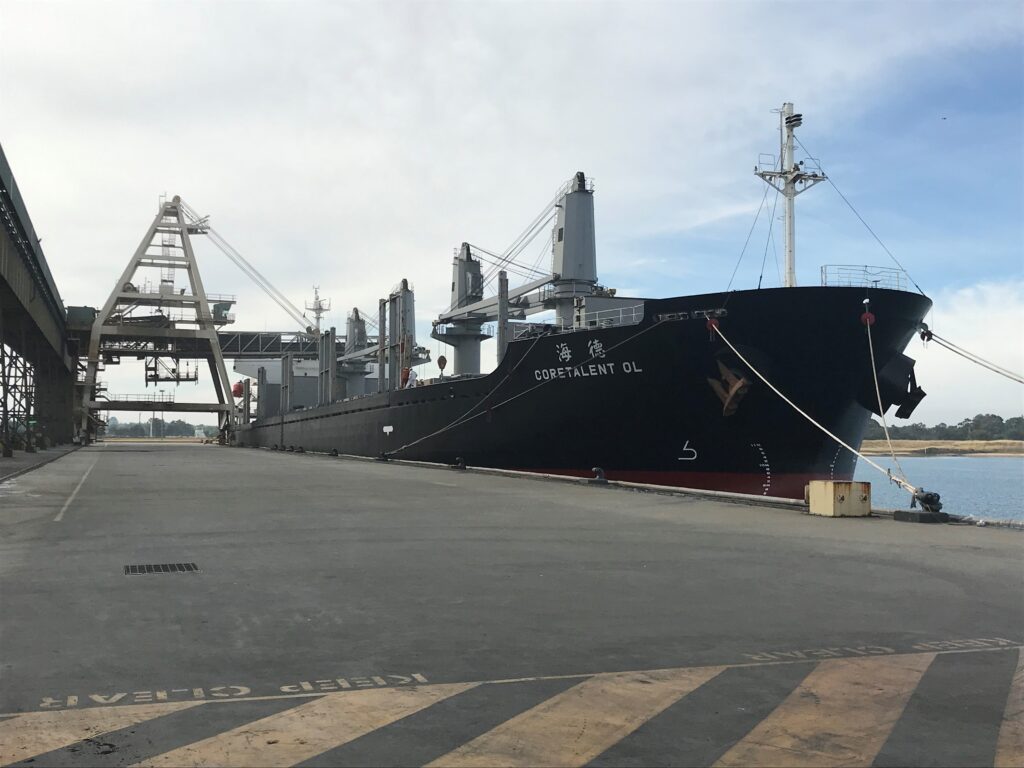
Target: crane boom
(203,226)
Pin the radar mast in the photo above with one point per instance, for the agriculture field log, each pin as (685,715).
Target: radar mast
(318,307)
(790,180)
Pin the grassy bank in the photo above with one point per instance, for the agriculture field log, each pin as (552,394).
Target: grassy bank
(946,447)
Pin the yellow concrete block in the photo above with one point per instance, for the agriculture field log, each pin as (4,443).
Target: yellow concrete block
(838,498)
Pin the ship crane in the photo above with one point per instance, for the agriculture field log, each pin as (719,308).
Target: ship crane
(358,347)
(570,284)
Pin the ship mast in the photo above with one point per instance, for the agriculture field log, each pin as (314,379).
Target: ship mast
(318,307)
(790,180)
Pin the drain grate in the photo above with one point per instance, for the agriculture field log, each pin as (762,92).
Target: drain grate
(138,570)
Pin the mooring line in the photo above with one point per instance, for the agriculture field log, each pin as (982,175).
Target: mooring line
(888,473)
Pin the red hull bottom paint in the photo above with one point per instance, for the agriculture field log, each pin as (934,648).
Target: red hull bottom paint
(790,486)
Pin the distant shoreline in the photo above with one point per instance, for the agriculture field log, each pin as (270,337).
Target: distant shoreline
(994,448)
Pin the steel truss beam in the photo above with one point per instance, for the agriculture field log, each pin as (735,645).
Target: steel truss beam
(169,229)
(17,397)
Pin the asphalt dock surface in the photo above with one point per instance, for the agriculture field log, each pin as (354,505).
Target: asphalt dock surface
(346,612)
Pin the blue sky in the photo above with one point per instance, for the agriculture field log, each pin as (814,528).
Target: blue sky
(349,145)
(945,195)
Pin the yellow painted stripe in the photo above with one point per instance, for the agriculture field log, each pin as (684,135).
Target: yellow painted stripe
(34,733)
(579,724)
(297,734)
(1010,747)
(841,714)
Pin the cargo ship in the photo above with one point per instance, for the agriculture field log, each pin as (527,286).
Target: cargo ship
(669,391)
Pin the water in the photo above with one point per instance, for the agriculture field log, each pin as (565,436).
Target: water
(990,487)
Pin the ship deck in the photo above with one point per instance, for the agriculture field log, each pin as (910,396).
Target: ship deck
(355,612)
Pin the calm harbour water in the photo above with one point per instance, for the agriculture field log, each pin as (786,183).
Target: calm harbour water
(990,487)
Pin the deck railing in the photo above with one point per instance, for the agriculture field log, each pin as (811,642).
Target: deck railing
(149,397)
(858,276)
(608,318)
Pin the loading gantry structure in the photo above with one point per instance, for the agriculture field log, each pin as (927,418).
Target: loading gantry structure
(148,316)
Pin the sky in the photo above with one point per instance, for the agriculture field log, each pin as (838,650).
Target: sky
(349,145)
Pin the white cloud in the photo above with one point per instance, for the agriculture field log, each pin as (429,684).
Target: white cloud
(350,145)
(988,320)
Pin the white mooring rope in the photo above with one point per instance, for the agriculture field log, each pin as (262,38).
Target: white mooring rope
(470,416)
(929,335)
(878,392)
(888,473)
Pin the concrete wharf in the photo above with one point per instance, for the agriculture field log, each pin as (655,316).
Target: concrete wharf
(331,611)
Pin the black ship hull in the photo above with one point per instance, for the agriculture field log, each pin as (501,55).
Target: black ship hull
(664,401)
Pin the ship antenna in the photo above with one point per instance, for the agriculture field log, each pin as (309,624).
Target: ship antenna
(790,180)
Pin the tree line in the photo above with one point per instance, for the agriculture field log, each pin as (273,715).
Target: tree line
(984,426)
(157,428)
